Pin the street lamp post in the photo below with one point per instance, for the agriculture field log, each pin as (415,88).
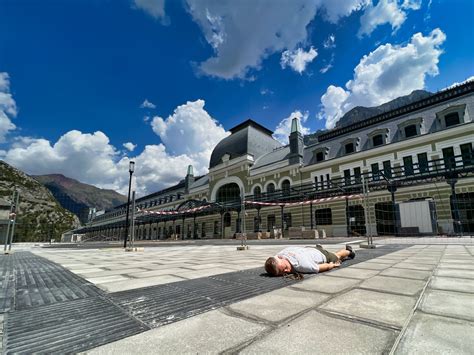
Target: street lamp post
(131,168)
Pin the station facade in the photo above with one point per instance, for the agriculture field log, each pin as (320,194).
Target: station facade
(422,151)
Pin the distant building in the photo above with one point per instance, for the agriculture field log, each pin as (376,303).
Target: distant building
(422,151)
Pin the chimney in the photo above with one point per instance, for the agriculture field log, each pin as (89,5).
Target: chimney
(296,142)
(189,179)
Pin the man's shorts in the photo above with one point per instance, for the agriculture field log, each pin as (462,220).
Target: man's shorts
(330,257)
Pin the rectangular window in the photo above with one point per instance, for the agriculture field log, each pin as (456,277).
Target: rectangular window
(319,156)
(321,179)
(323,217)
(466,152)
(410,131)
(271,222)
(357,175)
(451,119)
(216,227)
(328,181)
(377,140)
(375,171)
(316,183)
(423,162)
(408,165)
(349,148)
(387,169)
(448,157)
(347,176)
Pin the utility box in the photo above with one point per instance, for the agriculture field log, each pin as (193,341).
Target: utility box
(418,214)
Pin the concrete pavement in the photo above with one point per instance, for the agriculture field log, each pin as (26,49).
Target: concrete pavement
(416,300)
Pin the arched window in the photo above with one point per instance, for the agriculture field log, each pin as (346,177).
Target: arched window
(285,187)
(257,191)
(271,188)
(229,193)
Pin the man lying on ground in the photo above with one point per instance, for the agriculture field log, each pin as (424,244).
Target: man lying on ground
(307,260)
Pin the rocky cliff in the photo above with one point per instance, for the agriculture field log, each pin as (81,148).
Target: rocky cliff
(39,216)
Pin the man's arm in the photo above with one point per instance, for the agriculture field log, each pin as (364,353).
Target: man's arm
(328,266)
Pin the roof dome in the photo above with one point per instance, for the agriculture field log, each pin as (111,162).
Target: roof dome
(248,137)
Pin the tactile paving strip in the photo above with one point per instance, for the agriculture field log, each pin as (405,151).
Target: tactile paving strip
(67,327)
(163,304)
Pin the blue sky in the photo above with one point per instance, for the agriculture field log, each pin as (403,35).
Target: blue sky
(75,74)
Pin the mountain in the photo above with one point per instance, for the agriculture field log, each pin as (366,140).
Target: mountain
(360,113)
(39,215)
(78,197)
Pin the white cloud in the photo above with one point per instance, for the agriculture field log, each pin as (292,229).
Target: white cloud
(8,108)
(190,130)
(154,8)
(265,91)
(283,129)
(129,146)
(147,104)
(330,42)
(189,135)
(412,4)
(390,71)
(328,66)
(243,33)
(386,11)
(298,59)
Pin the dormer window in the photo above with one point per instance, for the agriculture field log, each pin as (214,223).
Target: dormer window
(320,154)
(350,145)
(410,131)
(378,137)
(377,140)
(410,128)
(349,148)
(452,119)
(452,116)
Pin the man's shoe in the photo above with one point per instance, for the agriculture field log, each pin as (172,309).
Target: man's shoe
(351,252)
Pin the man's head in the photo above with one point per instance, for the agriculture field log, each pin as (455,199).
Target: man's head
(277,266)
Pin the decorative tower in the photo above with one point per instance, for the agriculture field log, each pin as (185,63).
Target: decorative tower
(296,142)
(189,179)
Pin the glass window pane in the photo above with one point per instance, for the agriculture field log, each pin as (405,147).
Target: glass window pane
(410,131)
(377,140)
(451,119)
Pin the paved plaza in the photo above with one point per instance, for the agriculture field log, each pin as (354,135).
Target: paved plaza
(406,296)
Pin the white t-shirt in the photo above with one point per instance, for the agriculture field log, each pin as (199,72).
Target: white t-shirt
(304,260)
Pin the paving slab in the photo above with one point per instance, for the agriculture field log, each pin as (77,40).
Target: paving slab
(209,333)
(430,334)
(463,274)
(145,274)
(138,283)
(372,265)
(353,272)
(109,272)
(446,303)
(327,284)
(407,274)
(394,284)
(105,279)
(316,333)
(278,305)
(195,274)
(376,306)
(452,284)
(86,271)
(412,266)
(460,266)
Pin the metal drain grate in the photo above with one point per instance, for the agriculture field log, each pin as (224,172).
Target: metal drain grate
(39,282)
(67,327)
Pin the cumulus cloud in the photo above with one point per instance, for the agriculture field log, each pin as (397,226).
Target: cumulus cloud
(154,8)
(190,130)
(386,73)
(8,108)
(188,137)
(243,33)
(386,11)
(129,146)
(283,129)
(147,104)
(297,59)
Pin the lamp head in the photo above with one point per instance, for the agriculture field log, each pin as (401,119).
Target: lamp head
(131,166)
